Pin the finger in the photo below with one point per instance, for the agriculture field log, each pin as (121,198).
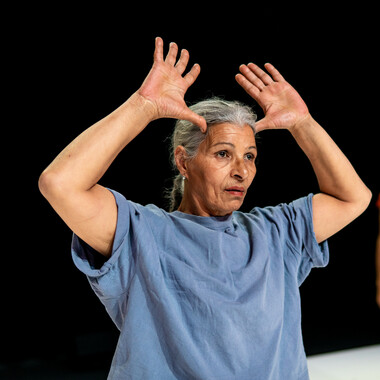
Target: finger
(201,123)
(247,85)
(172,53)
(274,72)
(196,120)
(262,125)
(264,77)
(183,61)
(192,75)
(252,77)
(158,51)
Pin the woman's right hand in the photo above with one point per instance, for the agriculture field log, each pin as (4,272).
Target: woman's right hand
(165,87)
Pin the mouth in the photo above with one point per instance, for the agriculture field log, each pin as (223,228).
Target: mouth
(236,191)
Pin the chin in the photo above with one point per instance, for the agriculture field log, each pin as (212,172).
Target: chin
(227,211)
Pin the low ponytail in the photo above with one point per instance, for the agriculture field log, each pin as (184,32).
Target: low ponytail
(176,193)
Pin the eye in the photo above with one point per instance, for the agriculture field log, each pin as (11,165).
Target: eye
(222,154)
(250,157)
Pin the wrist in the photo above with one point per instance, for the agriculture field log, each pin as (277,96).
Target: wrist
(305,121)
(143,106)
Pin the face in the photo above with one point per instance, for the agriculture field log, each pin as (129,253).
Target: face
(219,176)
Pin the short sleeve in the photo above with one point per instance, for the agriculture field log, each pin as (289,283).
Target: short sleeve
(110,278)
(300,237)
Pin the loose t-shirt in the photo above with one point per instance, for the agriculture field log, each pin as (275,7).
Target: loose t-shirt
(206,297)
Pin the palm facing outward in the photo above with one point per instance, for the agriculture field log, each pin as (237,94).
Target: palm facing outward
(165,87)
(282,105)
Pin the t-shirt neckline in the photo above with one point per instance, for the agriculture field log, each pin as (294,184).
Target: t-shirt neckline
(215,222)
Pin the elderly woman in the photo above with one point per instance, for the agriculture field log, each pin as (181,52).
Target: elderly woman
(203,291)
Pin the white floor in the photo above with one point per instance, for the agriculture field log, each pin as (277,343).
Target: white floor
(355,364)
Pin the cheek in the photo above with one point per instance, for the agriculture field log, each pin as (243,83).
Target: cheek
(209,174)
(220,177)
(214,184)
(251,167)
(211,185)
(252,172)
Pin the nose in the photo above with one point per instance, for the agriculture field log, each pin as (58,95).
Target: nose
(239,170)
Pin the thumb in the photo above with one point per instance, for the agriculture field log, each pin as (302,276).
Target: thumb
(196,119)
(263,124)
(201,123)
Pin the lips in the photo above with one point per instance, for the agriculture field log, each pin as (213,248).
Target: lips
(236,190)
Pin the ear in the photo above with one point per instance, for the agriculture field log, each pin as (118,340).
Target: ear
(180,157)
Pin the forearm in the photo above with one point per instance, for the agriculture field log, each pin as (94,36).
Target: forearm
(84,161)
(335,174)
(343,196)
(70,183)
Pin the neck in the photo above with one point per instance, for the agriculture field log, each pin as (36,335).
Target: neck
(191,205)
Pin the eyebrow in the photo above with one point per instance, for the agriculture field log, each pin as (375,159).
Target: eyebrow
(227,143)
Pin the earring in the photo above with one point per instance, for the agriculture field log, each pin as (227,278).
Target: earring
(183,177)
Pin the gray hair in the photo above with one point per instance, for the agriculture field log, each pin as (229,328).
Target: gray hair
(214,111)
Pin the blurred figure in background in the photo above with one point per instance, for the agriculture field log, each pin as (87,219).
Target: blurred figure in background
(378,255)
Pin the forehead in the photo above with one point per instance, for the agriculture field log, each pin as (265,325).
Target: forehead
(241,136)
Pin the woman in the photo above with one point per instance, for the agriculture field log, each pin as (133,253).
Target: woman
(204,291)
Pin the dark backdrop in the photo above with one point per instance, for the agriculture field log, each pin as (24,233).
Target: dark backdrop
(70,67)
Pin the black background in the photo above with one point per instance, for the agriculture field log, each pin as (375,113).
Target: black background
(68,67)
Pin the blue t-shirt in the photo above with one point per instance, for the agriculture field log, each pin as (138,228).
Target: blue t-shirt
(206,297)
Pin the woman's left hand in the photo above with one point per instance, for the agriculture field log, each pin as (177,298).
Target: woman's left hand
(282,105)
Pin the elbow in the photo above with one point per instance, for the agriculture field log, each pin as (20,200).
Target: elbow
(43,183)
(50,184)
(364,200)
(369,197)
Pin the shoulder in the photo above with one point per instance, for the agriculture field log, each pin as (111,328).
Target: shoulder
(280,213)
(128,207)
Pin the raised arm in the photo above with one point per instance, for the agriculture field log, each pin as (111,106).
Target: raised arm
(70,182)
(343,196)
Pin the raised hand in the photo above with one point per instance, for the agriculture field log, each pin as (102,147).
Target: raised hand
(165,86)
(282,105)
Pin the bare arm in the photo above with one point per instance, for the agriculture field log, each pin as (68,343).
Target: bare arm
(70,182)
(343,195)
